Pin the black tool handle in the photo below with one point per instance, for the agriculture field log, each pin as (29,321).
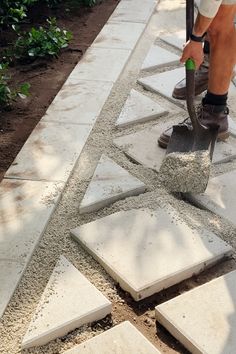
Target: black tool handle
(190,68)
(189,18)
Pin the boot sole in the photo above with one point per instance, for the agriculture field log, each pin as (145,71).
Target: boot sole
(163,142)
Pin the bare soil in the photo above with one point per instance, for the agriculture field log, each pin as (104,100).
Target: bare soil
(46,76)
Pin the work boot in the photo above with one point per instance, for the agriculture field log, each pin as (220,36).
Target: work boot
(209,116)
(201,81)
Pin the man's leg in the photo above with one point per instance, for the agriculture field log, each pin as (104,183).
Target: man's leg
(223,50)
(222,60)
(201,75)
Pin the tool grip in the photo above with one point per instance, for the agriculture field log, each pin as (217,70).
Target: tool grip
(190,64)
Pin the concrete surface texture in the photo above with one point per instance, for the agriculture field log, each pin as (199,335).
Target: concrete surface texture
(147,241)
(109,183)
(203,319)
(139,109)
(122,339)
(68,302)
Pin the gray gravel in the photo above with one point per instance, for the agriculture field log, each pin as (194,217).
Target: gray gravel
(186,172)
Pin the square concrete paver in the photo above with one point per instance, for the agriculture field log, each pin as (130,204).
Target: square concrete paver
(142,146)
(158,57)
(78,102)
(101,64)
(25,209)
(134,11)
(147,241)
(225,151)
(121,339)
(68,302)
(139,109)
(164,83)
(109,183)
(232,127)
(50,152)
(123,35)
(219,196)
(204,319)
(176,39)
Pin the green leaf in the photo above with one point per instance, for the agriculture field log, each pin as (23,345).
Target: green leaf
(24,89)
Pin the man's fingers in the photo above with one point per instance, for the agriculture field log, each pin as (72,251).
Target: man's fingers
(194,51)
(197,61)
(184,58)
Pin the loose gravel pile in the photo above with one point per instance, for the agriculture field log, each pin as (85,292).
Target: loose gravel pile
(186,172)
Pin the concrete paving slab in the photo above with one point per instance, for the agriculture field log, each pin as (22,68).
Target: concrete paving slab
(25,209)
(232,88)
(232,127)
(134,11)
(109,183)
(50,152)
(164,83)
(78,102)
(158,57)
(121,339)
(68,302)
(142,146)
(225,151)
(203,319)
(219,196)
(10,274)
(123,35)
(101,64)
(147,240)
(139,109)
(176,39)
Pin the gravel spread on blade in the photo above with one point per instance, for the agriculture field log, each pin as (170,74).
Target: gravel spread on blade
(186,172)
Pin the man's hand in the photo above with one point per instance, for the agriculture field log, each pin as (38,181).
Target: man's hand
(193,50)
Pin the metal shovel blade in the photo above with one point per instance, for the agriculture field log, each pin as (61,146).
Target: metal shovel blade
(190,149)
(186,167)
(185,139)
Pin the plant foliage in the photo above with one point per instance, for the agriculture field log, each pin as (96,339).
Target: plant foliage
(41,42)
(7,95)
(12,12)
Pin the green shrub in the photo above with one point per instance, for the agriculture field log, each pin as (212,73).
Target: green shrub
(7,95)
(14,11)
(41,42)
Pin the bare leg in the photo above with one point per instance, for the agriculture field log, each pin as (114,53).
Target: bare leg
(222,36)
